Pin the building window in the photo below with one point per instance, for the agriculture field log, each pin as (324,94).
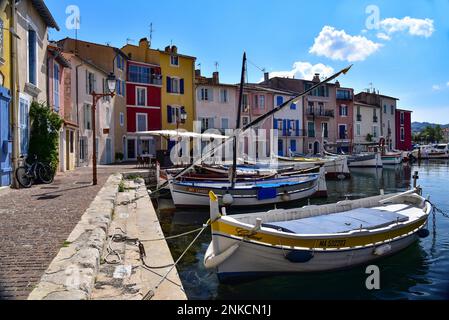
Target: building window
(206,94)
(32,57)
(392,110)
(402,118)
(402,134)
(385,108)
(120,62)
(310,107)
(245,121)
(174,113)
(325,130)
(359,129)
(207,123)
(375,132)
(174,60)
(90,82)
(343,110)
(139,74)
(141,96)
(224,96)
(122,119)
(279,101)
(71,141)
(119,88)
(56,87)
(262,102)
(175,85)
(311,129)
(24,120)
(245,103)
(256,101)
(342,134)
(87,116)
(83,148)
(224,123)
(293,106)
(141,122)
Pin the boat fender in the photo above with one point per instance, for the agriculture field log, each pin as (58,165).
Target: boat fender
(212,261)
(299,256)
(285,196)
(423,233)
(228,199)
(382,250)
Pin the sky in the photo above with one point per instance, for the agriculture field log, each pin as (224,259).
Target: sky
(400,48)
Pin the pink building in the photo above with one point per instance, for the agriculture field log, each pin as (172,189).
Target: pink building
(344,118)
(59,99)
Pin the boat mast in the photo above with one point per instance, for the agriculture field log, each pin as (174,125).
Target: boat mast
(238,125)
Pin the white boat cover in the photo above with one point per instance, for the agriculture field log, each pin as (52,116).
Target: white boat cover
(341,222)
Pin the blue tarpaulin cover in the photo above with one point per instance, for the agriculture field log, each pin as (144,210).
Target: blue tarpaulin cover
(339,222)
(266,193)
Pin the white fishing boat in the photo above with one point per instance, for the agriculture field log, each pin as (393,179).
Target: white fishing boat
(244,193)
(336,166)
(365,160)
(314,238)
(391,158)
(434,151)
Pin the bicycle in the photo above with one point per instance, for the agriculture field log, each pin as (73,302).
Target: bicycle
(28,173)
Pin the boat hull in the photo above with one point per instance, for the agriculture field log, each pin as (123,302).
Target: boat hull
(376,162)
(185,195)
(258,260)
(392,160)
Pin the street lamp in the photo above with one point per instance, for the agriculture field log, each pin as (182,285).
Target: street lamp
(111,82)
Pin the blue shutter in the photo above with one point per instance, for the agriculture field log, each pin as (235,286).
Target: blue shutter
(284,127)
(275,123)
(279,101)
(169,115)
(181,85)
(168,84)
(289,127)
(297,128)
(293,106)
(293,145)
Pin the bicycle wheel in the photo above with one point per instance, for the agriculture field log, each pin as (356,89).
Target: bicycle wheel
(23,177)
(45,174)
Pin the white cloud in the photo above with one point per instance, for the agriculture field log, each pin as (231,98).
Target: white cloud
(415,27)
(436,87)
(338,45)
(383,36)
(304,70)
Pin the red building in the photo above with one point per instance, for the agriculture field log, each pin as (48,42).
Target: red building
(345,118)
(403,130)
(143,107)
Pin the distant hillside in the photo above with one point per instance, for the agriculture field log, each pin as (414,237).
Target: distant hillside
(420,126)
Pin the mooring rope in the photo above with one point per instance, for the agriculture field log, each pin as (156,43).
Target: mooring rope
(435,209)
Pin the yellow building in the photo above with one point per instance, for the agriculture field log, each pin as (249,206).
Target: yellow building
(5,44)
(178,76)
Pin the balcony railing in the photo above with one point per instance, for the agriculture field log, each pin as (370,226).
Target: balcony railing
(292,133)
(326,113)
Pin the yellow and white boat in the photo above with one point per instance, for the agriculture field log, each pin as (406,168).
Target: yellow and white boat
(314,238)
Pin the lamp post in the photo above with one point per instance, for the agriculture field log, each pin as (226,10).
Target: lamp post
(111,82)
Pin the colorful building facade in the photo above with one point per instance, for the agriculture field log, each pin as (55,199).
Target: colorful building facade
(177,88)
(403,130)
(344,118)
(5,95)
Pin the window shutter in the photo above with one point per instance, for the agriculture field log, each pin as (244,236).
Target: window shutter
(297,128)
(211,94)
(87,82)
(284,127)
(275,123)
(169,114)
(181,85)
(168,84)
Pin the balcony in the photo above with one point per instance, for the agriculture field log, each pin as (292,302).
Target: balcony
(344,95)
(359,117)
(323,113)
(291,133)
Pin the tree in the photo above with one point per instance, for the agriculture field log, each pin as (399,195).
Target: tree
(44,137)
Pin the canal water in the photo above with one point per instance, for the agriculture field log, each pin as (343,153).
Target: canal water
(419,272)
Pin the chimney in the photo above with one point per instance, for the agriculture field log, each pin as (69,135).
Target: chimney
(316,78)
(144,43)
(167,49)
(216,77)
(197,73)
(337,84)
(266,76)
(174,49)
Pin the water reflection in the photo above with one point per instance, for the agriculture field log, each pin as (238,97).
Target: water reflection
(419,272)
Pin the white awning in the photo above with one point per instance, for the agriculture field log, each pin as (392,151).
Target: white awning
(182,134)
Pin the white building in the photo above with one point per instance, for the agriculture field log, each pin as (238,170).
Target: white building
(366,123)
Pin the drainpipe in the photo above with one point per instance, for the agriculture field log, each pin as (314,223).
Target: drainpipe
(14,98)
(77,110)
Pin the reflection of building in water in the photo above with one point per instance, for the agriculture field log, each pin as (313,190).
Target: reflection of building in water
(396,177)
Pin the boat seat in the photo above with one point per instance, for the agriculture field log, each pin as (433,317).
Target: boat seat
(341,222)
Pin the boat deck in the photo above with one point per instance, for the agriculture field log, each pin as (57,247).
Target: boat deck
(342,222)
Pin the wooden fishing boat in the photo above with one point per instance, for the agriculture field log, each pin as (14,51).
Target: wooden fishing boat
(314,238)
(363,160)
(336,166)
(391,158)
(246,193)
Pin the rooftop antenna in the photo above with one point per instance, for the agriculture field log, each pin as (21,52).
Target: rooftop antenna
(216,66)
(371,87)
(199,66)
(151,32)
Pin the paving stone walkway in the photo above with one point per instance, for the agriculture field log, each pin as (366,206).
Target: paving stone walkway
(34,223)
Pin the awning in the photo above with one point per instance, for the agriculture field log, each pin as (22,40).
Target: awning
(177,134)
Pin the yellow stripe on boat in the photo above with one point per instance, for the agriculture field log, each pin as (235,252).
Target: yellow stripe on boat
(324,242)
